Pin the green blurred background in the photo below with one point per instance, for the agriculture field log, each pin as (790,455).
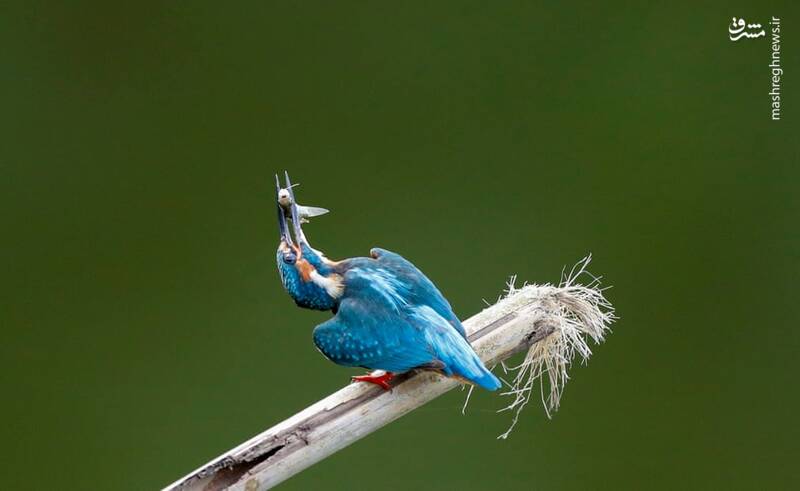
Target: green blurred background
(144,329)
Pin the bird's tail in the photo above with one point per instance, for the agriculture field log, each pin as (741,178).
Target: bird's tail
(468,365)
(482,376)
(453,350)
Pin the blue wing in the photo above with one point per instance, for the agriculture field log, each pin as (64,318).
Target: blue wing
(422,290)
(364,334)
(382,324)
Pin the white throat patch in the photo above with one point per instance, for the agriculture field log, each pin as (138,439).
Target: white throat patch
(332,284)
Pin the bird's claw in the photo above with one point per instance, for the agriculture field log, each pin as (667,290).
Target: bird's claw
(381,380)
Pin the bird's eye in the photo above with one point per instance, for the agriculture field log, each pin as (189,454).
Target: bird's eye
(289,258)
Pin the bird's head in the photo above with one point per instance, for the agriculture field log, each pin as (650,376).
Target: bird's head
(307,275)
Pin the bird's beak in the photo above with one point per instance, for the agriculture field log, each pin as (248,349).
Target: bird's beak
(298,229)
(283,227)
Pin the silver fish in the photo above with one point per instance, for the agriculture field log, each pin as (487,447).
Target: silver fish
(304,212)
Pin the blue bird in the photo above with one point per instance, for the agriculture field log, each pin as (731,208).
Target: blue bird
(388,315)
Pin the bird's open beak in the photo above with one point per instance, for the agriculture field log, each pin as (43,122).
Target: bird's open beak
(298,229)
(282,225)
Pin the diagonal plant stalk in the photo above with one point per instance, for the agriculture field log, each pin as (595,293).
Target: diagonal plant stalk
(550,323)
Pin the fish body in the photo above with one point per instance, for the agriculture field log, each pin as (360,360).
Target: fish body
(303,212)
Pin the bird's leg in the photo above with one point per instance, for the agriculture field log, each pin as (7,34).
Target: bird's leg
(378,377)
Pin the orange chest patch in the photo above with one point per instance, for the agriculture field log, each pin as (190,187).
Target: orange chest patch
(305,269)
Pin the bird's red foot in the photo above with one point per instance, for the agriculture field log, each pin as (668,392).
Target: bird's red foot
(378,377)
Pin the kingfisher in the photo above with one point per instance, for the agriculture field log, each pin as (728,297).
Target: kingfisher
(388,317)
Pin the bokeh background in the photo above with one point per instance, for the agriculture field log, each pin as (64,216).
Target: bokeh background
(143,327)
